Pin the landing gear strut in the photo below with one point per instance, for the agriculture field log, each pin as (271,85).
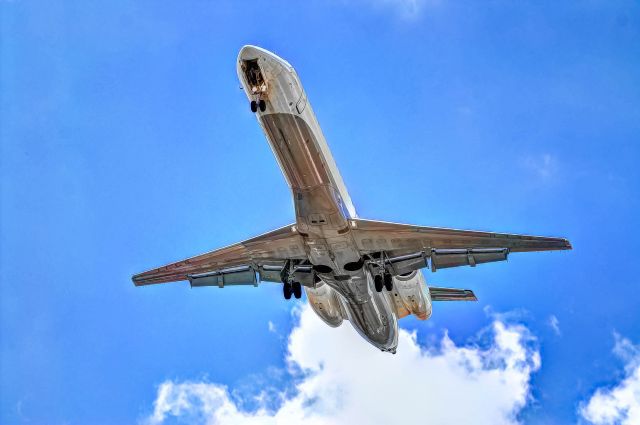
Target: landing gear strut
(289,286)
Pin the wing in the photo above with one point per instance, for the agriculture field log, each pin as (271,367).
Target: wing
(445,247)
(264,254)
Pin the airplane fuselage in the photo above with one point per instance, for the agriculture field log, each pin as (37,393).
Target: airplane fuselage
(322,205)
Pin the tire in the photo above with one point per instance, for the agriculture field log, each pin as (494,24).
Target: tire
(378,283)
(254,106)
(286,291)
(263,105)
(388,282)
(297,290)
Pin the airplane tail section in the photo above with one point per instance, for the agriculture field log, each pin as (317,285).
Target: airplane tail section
(451,294)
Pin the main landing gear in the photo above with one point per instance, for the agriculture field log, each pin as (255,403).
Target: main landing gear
(383,281)
(291,288)
(260,104)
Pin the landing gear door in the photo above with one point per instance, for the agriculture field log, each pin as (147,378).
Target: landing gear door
(302,102)
(297,93)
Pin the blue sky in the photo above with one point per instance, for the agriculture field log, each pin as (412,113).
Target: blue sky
(127,143)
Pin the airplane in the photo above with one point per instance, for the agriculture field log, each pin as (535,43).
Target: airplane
(363,271)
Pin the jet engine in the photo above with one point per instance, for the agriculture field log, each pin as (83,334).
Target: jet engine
(326,303)
(411,295)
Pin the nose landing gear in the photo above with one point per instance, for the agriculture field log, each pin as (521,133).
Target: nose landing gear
(259,104)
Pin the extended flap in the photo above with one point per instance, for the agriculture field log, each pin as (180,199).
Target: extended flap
(443,258)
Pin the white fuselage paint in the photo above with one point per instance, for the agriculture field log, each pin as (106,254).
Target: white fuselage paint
(324,209)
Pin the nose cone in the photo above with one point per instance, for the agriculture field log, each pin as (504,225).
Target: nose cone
(249,52)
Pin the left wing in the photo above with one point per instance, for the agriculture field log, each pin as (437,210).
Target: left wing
(375,236)
(264,254)
(407,247)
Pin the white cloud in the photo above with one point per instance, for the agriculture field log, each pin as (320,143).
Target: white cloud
(621,403)
(272,326)
(346,381)
(555,324)
(545,166)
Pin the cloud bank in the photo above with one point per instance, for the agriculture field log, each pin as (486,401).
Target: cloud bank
(621,403)
(345,381)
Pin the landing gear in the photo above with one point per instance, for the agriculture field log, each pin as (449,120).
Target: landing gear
(259,104)
(378,282)
(388,281)
(291,288)
(297,289)
(383,281)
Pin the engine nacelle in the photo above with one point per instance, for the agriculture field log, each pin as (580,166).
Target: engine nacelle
(411,296)
(326,303)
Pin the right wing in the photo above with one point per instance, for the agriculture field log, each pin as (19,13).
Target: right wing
(265,254)
(451,294)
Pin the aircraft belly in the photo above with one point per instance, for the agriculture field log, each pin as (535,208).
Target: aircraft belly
(295,147)
(369,312)
(319,207)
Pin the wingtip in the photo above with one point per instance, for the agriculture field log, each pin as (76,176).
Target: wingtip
(567,244)
(136,279)
(472,295)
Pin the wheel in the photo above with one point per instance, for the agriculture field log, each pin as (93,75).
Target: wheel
(263,105)
(254,106)
(297,289)
(286,290)
(388,281)
(377,280)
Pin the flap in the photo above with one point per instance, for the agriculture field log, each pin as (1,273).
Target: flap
(443,258)
(451,294)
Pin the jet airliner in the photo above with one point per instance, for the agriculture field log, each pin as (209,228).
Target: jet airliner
(363,271)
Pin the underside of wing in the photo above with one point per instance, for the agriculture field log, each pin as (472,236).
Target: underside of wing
(376,236)
(263,254)
(409,247)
